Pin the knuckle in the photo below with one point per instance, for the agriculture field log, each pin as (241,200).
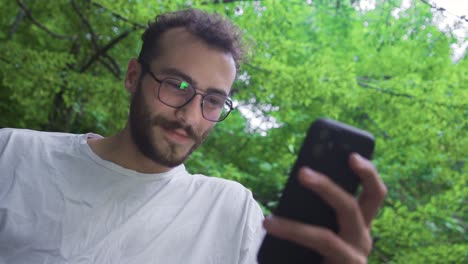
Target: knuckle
(360,259)
(367,244)
(328,238)
(372,168)
(352,207)
(365,165)
(322,180)
(382,191)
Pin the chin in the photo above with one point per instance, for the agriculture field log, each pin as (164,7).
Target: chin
(168,154)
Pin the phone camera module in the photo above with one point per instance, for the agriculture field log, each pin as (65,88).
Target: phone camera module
(317,151)
(324,134)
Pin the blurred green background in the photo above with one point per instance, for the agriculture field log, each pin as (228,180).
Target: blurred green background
(389,67)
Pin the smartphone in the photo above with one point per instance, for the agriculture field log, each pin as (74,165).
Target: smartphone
(326,149)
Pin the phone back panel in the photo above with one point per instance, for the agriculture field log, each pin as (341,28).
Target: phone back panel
(325,149)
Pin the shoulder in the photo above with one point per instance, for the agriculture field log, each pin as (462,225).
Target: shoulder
(216,185)
(8,133)
(28,136)
(28,141)
(234,196)
(238,209)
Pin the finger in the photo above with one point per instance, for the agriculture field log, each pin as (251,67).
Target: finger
(346,207)
(373,189)
(322,240)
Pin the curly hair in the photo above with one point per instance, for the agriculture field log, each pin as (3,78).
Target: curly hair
(213,29)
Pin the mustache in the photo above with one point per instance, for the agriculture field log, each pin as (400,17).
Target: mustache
(172,125)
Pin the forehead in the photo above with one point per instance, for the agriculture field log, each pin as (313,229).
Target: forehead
(207,66)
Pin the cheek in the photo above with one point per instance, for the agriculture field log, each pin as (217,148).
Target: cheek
(206,129)
(149,97)
(156,108)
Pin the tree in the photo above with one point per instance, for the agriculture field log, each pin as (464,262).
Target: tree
(391,76)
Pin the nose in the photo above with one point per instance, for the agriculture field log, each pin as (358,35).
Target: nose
(191,113)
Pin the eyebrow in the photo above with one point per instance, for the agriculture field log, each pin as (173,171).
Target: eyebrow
(190,80)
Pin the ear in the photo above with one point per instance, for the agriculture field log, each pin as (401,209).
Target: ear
(133,75)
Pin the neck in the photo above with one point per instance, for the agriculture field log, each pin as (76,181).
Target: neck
(121,150)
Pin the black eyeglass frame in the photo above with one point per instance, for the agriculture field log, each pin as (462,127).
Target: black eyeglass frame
(228,102)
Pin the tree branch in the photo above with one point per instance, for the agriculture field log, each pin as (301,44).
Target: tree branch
(6,60)
(120,17)
(14,27)
(393,93)
(256,68)
(441,9)
(86,23)
(112,65)
(102,51)
(366,116)
(221,1)
(368,86)
(44,28)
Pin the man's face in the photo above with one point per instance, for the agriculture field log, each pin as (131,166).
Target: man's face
(164,134)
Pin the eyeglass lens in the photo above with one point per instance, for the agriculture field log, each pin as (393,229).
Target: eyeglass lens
(176,94)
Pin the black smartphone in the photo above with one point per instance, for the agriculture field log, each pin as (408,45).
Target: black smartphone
(326,149)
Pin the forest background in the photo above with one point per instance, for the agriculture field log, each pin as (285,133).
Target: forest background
(389,69)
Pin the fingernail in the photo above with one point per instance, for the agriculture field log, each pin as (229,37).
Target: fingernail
(309,175)
(308,171)
(357,157)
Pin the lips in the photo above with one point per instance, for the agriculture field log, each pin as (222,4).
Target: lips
(177,135)
(181,132)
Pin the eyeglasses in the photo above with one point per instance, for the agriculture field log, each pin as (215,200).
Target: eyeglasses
(176,93)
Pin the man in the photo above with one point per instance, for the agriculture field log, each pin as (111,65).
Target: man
(128,199)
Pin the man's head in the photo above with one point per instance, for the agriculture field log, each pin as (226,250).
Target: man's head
(192,49)
(213,29)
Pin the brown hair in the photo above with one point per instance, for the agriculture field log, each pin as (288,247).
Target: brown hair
(213,29)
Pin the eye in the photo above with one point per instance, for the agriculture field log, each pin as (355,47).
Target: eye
(183,85)
(174,84)
(215,101)
(179,87)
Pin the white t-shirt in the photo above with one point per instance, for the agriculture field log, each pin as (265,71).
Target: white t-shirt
(61,203)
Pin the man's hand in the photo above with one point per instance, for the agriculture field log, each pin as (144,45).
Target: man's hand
(353,243)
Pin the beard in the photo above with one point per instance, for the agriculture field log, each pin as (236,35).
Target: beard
(142,123)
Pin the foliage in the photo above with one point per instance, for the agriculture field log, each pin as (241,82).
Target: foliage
(393,77)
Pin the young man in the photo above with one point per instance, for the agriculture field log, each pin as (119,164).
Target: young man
(127,198)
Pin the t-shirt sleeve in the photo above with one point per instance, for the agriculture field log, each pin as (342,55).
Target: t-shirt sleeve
(6,161)
(253,233)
